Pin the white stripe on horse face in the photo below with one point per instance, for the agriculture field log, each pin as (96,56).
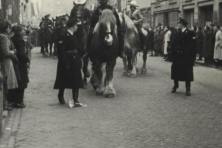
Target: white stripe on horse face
(108,27)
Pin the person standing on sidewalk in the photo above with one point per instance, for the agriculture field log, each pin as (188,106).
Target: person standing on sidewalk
(183,56)
(218,45)
(69,66)
(22,65)
(7,57)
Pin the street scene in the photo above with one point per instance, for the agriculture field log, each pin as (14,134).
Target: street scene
(144,113)
(110,74)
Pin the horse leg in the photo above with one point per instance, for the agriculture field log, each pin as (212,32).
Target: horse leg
(110,91)
(86,70)
(133,64)
(51,44)
(125,65)
(42,49)
(144,68)
(85,67)
(45,48)
(96,79)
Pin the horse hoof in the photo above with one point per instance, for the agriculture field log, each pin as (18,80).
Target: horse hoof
(133,76)
(109,93)
(144,71)
(125,73)
(99,92)
(85,86)
(87,75)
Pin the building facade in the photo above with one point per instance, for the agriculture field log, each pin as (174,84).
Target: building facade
(196,12)
(19,11)
(10,10)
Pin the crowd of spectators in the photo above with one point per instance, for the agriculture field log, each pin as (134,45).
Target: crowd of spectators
(208,42)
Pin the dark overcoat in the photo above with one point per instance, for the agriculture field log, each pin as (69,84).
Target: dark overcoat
(150,40)
(199,42)
(21,66)
(208,44)
(69,64)
(183,56)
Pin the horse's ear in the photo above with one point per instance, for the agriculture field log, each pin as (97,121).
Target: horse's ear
(74,3)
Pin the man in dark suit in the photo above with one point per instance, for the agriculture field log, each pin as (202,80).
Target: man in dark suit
(183,57)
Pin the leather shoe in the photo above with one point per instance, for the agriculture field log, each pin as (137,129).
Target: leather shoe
(61,100)
(174,90)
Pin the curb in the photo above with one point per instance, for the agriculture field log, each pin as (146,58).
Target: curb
(10,129)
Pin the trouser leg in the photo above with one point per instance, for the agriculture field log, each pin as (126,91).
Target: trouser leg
(188,85)
(176,84)
(12,97)
(20,94)
(75,94)
(61,96)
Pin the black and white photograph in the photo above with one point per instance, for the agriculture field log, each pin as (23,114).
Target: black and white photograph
(110,73)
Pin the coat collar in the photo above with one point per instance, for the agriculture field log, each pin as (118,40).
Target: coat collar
(70,32)
(184,29)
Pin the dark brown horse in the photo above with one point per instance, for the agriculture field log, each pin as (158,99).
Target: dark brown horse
(46,37)
(103,52)
(82,14)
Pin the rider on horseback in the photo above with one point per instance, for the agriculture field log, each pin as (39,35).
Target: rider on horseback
(103,4)
(46,22)
(137,17)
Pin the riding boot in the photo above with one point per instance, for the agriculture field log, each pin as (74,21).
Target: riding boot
(121,43)
(176,86)
(188,90)
(61,96)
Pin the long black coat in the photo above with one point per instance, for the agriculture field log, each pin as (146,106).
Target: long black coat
(69,64)
(150,40)
(183,56)
(208,44)
(21,66)
(199,42)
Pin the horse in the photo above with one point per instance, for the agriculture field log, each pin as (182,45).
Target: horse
(103,52)
(46,38)
(132,46)
(82,14)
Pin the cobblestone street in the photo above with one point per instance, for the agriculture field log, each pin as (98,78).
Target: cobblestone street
(143,115)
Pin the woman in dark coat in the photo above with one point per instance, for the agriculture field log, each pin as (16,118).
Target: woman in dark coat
(208,45)
(183,55)
(21,66)
(199,42)
(69,66)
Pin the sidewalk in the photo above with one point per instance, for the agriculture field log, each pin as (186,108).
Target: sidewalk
(10,126)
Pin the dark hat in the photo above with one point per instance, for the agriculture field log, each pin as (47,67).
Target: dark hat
(17,29)
(71,22)
(183,21)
